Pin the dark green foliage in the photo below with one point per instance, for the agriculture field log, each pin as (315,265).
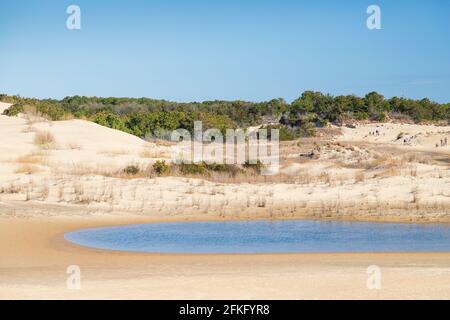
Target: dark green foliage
(286,133)
(131,170)
(110,120)
(206,169)
(14,110)
(232,170)
(193,168)
(145,117)
(51,110)
(161,167)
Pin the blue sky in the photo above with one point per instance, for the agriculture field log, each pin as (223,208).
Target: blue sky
(194,50)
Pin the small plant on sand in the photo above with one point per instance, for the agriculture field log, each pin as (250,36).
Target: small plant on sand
(400,135)
(36,158)
(28,169)
(359,177)
(231,170)
(194,168)
(131,170)
(325,177)
(257,167)
(151,154)
(14,110)
(160,167)
(44,139)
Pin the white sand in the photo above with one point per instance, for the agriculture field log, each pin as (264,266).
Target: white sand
(420,137)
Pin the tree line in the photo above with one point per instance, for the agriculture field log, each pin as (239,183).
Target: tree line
(144,116)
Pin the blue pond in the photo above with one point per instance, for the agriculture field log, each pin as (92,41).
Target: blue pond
(267,237)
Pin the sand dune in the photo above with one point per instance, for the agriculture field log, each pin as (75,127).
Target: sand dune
(418,137)
(77,168)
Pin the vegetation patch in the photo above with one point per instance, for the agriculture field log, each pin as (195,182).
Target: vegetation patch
(131,170)
(160,167)
(145,117)
(44,139)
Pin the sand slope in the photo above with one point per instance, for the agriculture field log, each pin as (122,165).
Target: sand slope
(418,137)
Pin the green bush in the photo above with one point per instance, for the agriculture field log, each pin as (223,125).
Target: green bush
(14,110)
(110,120)
(306,129)
(285,133)
(206,169)
(194,168)
(144,116)
(160,167)
(51,110)
(131,170)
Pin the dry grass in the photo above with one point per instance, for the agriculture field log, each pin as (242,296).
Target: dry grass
(28,129)
(84,170)
(29,164)
(33,117)
(154,154)
(360,177)
(32,158)
(12,188)
(44,139)
(74,146)
(417,158)
(115,152)
(388,173)
(81,169)
(28,169)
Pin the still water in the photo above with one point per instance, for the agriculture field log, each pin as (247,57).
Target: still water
(267,237)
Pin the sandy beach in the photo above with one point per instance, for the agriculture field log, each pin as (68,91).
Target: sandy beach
(35,258)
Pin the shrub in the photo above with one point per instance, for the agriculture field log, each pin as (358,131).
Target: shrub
(44,139)
(194,168)
(110,120)
(131,170)
(232,170)
(285,132)
(14,110)
(50,110)
(257,167)
(207,169)
(161,167)
(306,129)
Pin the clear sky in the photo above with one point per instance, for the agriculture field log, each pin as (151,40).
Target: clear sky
(193,50)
